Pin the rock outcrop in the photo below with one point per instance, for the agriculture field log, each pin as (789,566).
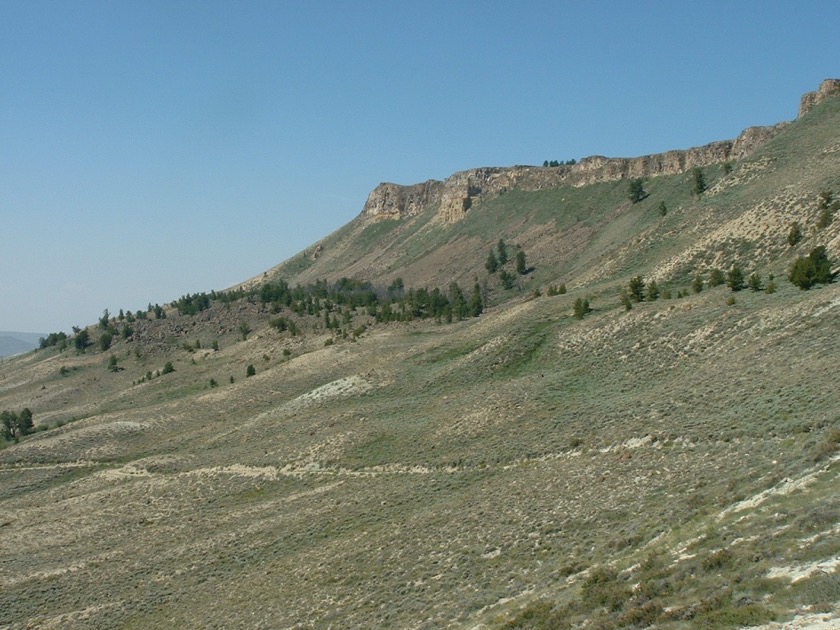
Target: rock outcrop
(393,201)
(463,190)
(829,87)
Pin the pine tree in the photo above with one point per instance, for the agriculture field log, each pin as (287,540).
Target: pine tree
(637,289)
(492,265)
(521,266)
(476,303)
(637,190)
(503,252)
(698,186)
(735,278)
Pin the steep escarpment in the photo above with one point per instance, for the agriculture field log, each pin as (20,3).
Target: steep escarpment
(463,190)
(828,88)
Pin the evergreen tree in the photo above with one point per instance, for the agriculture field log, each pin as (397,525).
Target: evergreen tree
(476,303)
(735,278)
(637,289)
(812,269)
(754,282)
(507,278)
(652,290)
(521,266)
(459,303)
(25,423)
(503,252)
(663,209)
(492,265)
(698,186)
(637,190)
(82,340)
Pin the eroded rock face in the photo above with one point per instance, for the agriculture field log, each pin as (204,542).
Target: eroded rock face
(829,87)
(393,201)
(463,190)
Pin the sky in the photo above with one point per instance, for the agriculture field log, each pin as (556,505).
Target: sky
(150,149)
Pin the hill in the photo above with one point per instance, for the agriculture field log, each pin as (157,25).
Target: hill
(12,343)
(674,463)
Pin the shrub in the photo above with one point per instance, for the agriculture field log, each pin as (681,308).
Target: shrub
(581,308)
(716,278)
(168,368)
(827,206)
(603,587)
(697,284)
(250,371)
(794,234)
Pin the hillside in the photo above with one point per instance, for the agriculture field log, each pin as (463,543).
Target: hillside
(671,465)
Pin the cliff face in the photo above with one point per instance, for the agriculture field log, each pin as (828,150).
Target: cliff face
(392,201)
(463,190)
(829,87)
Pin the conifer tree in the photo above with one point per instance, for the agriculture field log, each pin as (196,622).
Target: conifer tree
(492,265)
(476,303)
(503,252)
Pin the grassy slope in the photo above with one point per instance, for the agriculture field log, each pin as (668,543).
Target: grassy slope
(478,473)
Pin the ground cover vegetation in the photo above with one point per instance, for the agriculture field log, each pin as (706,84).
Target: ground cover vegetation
(611,440)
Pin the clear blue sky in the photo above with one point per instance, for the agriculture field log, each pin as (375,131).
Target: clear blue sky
(150,149)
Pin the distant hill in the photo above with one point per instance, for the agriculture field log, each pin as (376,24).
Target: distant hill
(12,343)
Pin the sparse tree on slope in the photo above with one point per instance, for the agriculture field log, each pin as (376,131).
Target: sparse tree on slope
(503,252)
(735,278)
(492,264)
(476,303)
(637,190)
(698,185)
(521,266)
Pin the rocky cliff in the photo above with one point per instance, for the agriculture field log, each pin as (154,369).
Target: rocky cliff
(829,87)
(463,190)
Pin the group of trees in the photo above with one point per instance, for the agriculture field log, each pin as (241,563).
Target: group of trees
(497,259)
(636,189)
(547,163)
(15,425)
(815,268)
